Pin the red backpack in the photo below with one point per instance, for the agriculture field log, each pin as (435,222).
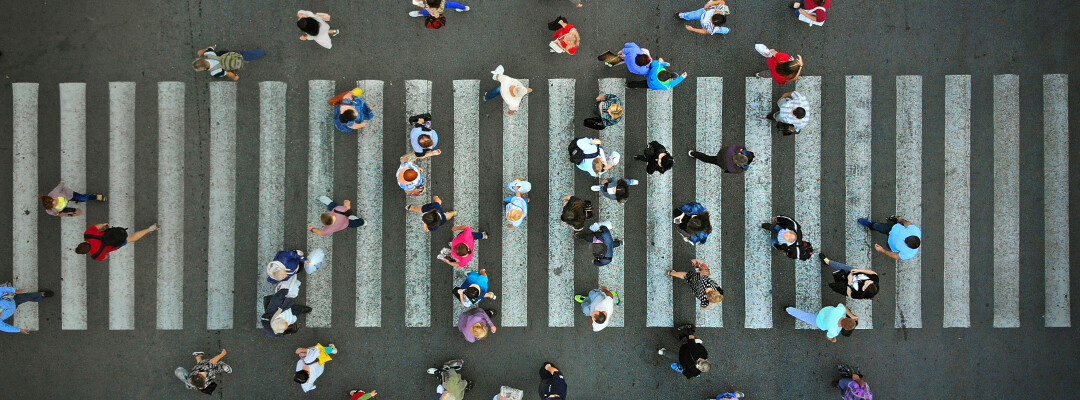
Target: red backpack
(435,23)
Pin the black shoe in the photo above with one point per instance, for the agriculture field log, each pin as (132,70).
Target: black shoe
(640,157)
(46,293)
(770,118)
(766,226)
(469,385)
(305,310)
(894,219)
(617,243)
(491,313)
(822,257)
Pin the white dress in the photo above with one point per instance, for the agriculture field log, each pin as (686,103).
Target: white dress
(323,38)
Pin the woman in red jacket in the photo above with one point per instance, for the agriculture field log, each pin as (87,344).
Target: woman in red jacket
(566,37)
(782,67)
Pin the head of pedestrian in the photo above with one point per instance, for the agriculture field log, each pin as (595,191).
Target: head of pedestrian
(301,377)
(665,161)
(741,160)
(703,365)
(622,191)
(699,223)
(642,59)
(599,317)
(198,380)
(598,165)
(82,248)
(201,64)
(665,75)
(308,25)
(277,270)
(347,116)
(719,19)
(410,175)
(425,141)
(790,236)
(327,218)
(431,219)
(713,295)
(514,214)
(48,202)
(615,110)
(870,290)
(472,293)
(913,242)
(479,330)
(789,68)
(461,250)
(799,112)
(848,323)
(284,327)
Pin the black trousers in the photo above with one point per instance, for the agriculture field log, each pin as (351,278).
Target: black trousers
(714,160)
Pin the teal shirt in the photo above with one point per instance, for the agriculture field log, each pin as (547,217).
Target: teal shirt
(654,81)
(897,234)
(828,319)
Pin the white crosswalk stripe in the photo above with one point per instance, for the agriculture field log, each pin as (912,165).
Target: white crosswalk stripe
(757,294)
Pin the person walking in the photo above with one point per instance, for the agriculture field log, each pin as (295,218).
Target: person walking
(851,384)
(337,218)
(422,138)
(224,63)
(602,241)
(787,237)
(658,78)
(598,305)
(351,110)
(589,156)
(517,205)
(693,358)
(286,264)
(812,12)
(729,396)
(782,68)
(693,221)
(904,237)
(608,112)
(792,116)
(203,376)
(310,365)
(552,383)
(617,189)
(433,215)
(410,177)
(706,290)
(566,37)
(733,159)
(11,298)
(473,289)
(476,323)
(831,319)
(656,158)
(435,8)
(453,386)
(280,314)
(358,394)
(511,90)
(316,27)
(101,239)
(460,252)
(576,212)
(57,201)
(711,16)
(637,58)
(852,282)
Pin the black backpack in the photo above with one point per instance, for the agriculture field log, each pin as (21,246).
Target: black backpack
(113,236)
(805,250)
(577,155)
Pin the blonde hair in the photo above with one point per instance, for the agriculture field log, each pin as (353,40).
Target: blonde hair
(703,366)
(200,65)
(479,330)
(598,165)
(714,297)
(514,214)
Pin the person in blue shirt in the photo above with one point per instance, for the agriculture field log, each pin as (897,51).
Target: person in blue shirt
(658,78)
(473,289)
(637,58)
(711,16)
(422,137)
(603,242)
(10,299)
(904,237)
(352,113)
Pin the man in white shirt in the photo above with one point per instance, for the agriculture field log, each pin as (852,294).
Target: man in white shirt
(793,111)
(598,306)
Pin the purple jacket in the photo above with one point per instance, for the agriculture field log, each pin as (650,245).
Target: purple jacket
(631,51)
(471,317)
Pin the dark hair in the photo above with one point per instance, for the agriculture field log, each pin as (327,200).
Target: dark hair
(82,248)
(308,25)
(46,201)
(718,19)
(699,223)
(870,291)
(788,68)
(913,242)
(425,141)
(434,3)
(665,75)
(197,380)
(622,191)
(848,323)
(347,116)
(599,249)
(300,377)
(642,59)
(431,218)
(666,162)
(462,249)
(293,328)
(600,318)
(799,112)
(472,293)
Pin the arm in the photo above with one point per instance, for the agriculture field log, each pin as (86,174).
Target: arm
(863,271)
(232,75)
(218,357)
(101,227)
(698,30)
(606,291)
(437,199)
(452,263)
(892,254)
(315,231)
(203,51)
(347,204)
(458,228)
(5,327)
(808,15)
(903,221)
(713,3)
(324,16)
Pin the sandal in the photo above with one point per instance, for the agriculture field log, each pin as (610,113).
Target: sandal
(102,198)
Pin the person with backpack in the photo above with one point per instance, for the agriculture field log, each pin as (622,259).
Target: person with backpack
(57,201)
(637,58)
(224,63)
(351,111)
(101,239)
(203,376)
(11,298)
(460,252)
(433,215)
(792,116)
(711,16)
(280,314)
(588,155)
(474,289)
(693,221)
(852,282)
(608,112)
(511,90)
(315,27)
(656,157)
(658,78)
(852,384)
(598,306)
(706,290)
(602,241)
(422,138)
(336,218)
(432,11)
(576,212)
(615,189)
(834,320)
(787,237)
(733,159)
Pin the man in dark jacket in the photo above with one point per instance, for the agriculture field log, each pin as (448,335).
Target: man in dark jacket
(279,317)
(693,357)
(603,243)
(787,237)
(657,158)
(733,159)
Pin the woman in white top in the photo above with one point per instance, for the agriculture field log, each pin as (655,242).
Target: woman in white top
(512,90)
(316,27)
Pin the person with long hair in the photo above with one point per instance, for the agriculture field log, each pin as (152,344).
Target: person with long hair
(576,212)
(433,215)
(566,37)
(460,252)
(693,221)
(315,27)
(782,68)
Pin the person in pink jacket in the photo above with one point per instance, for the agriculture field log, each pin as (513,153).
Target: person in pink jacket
(460,252)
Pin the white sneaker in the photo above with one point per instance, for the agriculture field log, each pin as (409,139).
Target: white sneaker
(415,14)
(661,351)
(596,188)
(432,371)
(459,10)
(632,182)
(498,71)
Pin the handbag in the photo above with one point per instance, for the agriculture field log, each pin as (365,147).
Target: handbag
(807,20)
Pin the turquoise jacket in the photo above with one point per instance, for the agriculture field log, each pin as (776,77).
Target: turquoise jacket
(7,309)
(654,82)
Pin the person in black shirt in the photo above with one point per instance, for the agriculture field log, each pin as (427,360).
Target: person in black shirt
(576,212)
(657,158)
(552,383)
(693,359)
(851,282)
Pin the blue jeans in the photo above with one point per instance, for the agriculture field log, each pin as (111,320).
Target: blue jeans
(693,15)
(478,236)
(493,93)
(449,4)
(839,266)
(251,55)
(843,385)
(877,226)
(82,198)
(775,232)
(803,316)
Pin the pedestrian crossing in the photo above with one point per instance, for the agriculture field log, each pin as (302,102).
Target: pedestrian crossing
(756,300)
